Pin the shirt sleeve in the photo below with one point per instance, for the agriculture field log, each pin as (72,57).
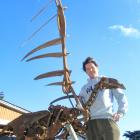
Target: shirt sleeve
(121,100)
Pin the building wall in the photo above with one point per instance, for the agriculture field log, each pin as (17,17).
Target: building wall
(8,114)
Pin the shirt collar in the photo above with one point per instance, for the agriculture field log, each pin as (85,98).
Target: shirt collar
(94,80)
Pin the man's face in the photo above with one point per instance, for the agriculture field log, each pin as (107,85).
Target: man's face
(91,70)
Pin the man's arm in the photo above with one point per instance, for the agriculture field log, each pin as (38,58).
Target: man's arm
(122,103)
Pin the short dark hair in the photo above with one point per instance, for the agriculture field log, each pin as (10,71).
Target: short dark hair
(89,60)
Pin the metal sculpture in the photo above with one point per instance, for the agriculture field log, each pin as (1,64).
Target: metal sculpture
(59,121)
(46,124)
(65,72)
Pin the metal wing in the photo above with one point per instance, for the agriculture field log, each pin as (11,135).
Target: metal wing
(45,45)
(45,55)
(66,83)
(50,74)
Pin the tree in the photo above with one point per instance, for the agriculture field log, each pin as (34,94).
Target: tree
(135,135)
(1,95)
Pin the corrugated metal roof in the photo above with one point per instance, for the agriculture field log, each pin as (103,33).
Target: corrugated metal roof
(13,107)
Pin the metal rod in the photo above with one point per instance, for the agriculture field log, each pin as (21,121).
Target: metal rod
(71,131)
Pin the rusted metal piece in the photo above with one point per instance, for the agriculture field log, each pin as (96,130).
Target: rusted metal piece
(111,83)
(20,125)
(39,29)
(62,32)
(61,98)
(66,86)
(66,83)
(59,83)
(41,10)
(50,74)
(46,124)
(45,45)
(46,55)
(104,83)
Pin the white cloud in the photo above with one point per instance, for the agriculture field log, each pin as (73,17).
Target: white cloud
(126,31)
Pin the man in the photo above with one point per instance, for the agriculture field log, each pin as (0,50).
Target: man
(102,123)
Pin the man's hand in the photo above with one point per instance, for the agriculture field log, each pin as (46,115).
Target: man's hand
(117,116)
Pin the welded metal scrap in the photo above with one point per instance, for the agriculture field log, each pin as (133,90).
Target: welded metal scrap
(46,124)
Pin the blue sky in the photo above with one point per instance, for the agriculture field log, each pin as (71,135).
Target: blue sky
(109,31)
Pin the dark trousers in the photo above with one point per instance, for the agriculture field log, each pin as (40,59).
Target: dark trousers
(102,129)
